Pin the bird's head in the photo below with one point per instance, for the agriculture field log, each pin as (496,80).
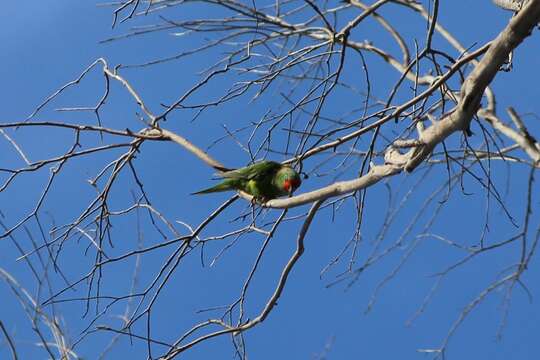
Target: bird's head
(288,179)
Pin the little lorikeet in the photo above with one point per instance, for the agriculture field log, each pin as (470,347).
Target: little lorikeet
(263,180)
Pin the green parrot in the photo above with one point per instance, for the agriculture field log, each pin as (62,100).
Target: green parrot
(263,180)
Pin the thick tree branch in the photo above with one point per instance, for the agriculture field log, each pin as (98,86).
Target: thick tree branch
(474,85)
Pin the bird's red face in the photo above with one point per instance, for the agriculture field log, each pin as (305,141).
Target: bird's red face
(291,184)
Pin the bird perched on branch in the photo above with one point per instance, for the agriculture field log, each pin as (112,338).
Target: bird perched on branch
(264,180)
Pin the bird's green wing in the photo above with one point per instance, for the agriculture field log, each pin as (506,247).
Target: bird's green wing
(254,171)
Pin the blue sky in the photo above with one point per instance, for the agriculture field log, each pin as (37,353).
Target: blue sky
(45,45)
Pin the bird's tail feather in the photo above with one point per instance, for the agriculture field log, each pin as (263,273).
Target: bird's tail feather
(224,186)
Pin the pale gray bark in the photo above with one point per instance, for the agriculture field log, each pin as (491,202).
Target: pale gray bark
(514,5)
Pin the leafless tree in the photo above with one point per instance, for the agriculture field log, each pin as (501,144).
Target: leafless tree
(315,67)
